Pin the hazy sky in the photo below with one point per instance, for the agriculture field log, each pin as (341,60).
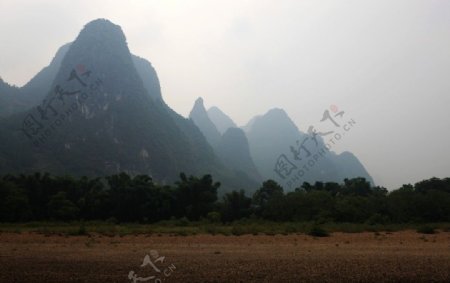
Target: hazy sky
(385,62)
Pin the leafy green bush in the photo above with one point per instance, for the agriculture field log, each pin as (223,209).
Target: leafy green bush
(183,222)
(238,230)
(214,217)
(318,232)
(82,230)
(290,229)
(426,230)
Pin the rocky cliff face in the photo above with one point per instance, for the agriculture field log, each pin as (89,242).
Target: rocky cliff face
(100,116)
(200,117)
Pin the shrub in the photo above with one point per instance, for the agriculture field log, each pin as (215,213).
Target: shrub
(238,230)
(426,230)
(318,232)
(183,222)
(211,229)
(290,229)
(214,217)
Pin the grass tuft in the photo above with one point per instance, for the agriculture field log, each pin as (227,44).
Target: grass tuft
(426,230)
(317,231)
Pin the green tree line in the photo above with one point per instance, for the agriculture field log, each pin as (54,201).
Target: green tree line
(125,198)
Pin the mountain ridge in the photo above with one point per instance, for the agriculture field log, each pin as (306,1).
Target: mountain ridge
(121,113)
(120,122)
(222,121)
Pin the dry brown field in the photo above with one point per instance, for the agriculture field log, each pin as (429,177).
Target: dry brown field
(404,256)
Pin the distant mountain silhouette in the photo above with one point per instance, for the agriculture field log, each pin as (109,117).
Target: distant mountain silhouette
(97,110)
(250,123)
(350,166)
(38,87)
(14,99)
(149,77)
(202,152)
(274,134)
(33,92)
(232,147)
(200,117)
(9,99)
(116,127)
(220,120)
(234,151)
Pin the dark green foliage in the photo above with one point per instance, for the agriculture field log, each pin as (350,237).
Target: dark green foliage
(120,197)
(357,186)
(235,206)
(318,232)
(426,230)
(270,190)
(214,217)
(195,197)
(124,198)
(434,183)
(14,204)
(268,200)
(61,208)
(238,230)
(81,231)
(313,206)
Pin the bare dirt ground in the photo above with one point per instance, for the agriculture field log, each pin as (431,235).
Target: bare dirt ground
(363,257)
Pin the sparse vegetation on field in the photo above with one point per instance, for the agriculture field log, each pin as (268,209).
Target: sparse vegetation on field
(184,227)
(401,256)
(426,229)
(317,231)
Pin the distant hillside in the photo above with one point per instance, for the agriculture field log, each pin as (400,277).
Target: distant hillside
(234,151)
(220,120)
(97,110)
(99,116)
(200,117)
(275,140)
(14,99)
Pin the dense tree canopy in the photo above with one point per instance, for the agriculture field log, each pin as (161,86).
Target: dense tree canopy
(126,198)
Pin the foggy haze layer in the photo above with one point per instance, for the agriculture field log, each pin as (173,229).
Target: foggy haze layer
(385,63)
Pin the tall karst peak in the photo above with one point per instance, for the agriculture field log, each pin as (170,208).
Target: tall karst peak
(103,30)
(199,103)
(102,44)
(98,118)
(201,119)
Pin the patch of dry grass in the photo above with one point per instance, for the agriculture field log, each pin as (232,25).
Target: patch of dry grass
(368,256)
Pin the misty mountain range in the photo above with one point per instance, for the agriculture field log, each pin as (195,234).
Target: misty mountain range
(97,110)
